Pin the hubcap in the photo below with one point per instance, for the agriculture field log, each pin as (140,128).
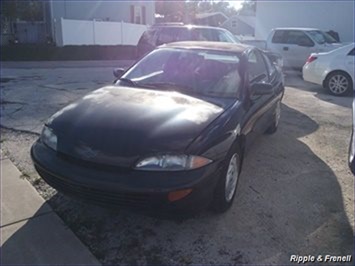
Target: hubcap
(338,84)
(277,113)
(231,178)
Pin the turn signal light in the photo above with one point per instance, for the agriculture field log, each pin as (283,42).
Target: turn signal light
(177,195)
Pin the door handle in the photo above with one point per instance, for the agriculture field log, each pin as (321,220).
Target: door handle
(285,48)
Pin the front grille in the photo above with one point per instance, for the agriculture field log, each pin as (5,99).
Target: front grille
(106,197)
(93,165)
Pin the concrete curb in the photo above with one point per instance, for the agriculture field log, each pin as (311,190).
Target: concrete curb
(31,232)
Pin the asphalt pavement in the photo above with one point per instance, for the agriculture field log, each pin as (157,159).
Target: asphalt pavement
(66,64)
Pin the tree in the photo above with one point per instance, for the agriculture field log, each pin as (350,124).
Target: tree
(172,11)
(31,10)
(12,10)
(185,11)
(8,15)
(248,7)
(22,10)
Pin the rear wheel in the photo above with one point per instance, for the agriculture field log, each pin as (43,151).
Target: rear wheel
(338,83)
(227,185)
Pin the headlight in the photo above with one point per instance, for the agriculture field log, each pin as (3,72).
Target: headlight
(49,138)
(172,163)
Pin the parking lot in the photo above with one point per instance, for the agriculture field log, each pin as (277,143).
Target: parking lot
(296,193)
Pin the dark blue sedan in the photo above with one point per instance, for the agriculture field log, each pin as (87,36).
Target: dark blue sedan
(171,133)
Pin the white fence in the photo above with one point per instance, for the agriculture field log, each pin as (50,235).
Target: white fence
(83,32)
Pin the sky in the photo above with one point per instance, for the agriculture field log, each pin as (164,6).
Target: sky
(237,4)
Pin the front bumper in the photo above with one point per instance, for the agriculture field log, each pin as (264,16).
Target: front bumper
(125,187)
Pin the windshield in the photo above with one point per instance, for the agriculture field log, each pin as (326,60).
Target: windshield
(201,72)
(322,37)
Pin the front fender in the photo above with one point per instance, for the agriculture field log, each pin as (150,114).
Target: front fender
(217,139)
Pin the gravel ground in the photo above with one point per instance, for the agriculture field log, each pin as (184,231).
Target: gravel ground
(296,193)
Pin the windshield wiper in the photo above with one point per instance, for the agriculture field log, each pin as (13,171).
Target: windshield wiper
(129,81)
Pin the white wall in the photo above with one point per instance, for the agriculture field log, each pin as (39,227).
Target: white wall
(76,32)
(84,32)
(325,15)
(107,33)
(118,10)
(132,33)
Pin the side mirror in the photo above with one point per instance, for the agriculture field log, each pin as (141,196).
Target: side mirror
(262,89)
(118,72)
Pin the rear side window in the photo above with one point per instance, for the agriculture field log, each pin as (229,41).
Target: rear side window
(291,37)
(204,35)
(168,35)
(148,37)
(295,36)
(279,37)
(212,35)
(224,36)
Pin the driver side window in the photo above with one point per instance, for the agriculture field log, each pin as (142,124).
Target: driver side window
(297,37)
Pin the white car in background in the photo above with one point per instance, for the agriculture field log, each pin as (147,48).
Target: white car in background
(296,44)
(333,70)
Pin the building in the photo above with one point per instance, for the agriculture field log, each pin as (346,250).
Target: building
(325,15)
(241,25)
(54,11)
(215,19)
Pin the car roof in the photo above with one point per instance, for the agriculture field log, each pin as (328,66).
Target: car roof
(205,45)
(188,26)
(295,28)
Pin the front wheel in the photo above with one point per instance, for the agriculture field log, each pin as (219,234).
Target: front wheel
(227,185)
(338,83)
(276,119)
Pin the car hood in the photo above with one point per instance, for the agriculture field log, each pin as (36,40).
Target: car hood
(117,125)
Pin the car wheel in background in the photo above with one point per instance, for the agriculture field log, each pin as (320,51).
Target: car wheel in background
(338,83)
(276,119)
(227,185)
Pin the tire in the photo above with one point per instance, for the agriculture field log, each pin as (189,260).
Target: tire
(228,182)
(276,119)
(338,83)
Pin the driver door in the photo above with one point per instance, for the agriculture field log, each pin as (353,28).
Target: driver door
(256,118)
